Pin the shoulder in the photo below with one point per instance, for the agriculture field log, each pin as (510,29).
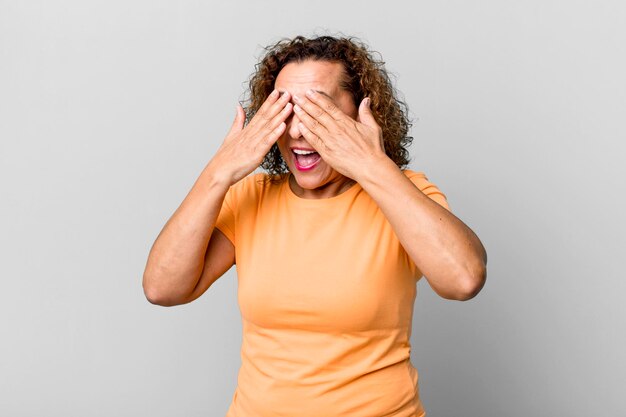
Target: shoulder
(412,174)
(250,182)
(253,186)
(425,185)
(259,181)
(418,178)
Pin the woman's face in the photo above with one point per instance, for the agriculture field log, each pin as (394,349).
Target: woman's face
(313,179)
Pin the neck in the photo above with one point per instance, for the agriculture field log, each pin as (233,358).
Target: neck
(328,190)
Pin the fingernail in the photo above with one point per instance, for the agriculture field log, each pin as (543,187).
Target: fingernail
(310,92)
(367,101)
(297,108)
(296,98)
(274,93)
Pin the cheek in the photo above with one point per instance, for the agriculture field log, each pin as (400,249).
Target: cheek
(282,146)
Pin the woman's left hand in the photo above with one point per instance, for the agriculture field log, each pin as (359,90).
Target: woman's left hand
(350,146)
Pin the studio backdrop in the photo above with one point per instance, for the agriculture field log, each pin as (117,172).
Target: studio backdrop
(109,111)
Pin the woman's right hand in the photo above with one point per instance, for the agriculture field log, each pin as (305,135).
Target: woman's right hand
(244,148)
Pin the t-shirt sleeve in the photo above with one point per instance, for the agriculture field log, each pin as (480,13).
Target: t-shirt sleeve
(434,193)
(431,190)
(226,218)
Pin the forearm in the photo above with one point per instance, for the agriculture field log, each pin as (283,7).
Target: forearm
(176,259)
(448,253)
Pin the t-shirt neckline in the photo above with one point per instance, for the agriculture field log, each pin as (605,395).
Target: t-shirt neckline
(353,189)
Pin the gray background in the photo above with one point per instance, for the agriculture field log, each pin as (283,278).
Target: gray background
(110,110)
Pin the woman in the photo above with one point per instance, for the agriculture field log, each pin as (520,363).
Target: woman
(328,245)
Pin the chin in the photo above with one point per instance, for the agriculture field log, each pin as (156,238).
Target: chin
(309,181)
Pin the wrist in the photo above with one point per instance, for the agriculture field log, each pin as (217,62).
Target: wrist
(215,176)
(374,168)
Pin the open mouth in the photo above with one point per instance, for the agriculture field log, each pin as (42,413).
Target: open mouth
(305,159)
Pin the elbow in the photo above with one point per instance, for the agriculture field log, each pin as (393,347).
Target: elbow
(470,285)
(473,279)
(150,287)
(153,296)
(467,286)
(151,292)
(157,295)
(160,298)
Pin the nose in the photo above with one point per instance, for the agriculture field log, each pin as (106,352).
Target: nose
(292,126)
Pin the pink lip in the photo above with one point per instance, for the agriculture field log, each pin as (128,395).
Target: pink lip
(300,167)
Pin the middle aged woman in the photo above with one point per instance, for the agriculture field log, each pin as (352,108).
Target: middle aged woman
(329,244)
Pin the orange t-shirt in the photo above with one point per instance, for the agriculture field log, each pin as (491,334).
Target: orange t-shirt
(326,294)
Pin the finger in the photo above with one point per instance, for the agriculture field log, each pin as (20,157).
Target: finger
(278,119)
(312,138)
(279,106)
(271,107)
(316,112)
(365,114)
(310,123)
(325,103)
(271,99)
(273,136)
(240,118)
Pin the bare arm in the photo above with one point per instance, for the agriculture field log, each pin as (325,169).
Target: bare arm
(190,254)
(448,252)
(177,258)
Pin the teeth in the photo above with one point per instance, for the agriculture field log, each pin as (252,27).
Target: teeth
(301,152)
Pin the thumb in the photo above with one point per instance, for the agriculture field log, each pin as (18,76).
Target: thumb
(365,113)
(240,118)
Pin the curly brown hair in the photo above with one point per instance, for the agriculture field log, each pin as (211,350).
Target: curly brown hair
(364,76)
